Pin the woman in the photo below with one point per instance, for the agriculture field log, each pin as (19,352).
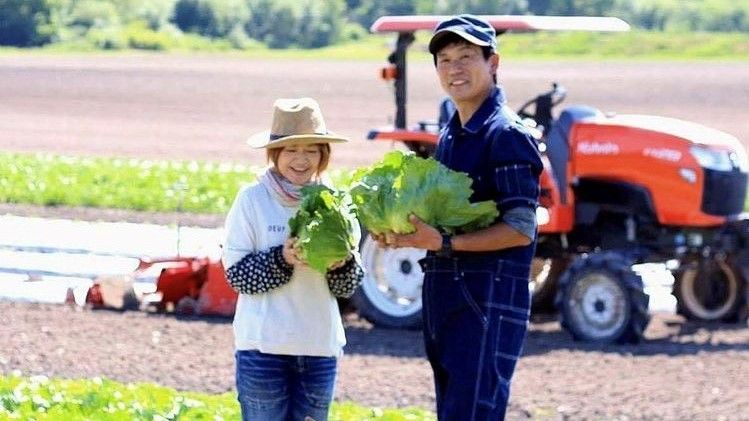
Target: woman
(288,332)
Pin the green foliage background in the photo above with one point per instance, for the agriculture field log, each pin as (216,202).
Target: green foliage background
(280,24)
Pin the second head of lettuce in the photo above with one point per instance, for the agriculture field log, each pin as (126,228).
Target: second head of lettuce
(325,227)
(386,193)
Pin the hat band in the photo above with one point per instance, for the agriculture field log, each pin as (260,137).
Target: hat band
(281,136)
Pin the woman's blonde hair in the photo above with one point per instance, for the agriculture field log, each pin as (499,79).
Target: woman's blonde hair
(273,153)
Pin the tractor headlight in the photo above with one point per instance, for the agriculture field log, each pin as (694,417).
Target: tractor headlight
(712,159)
(740,160)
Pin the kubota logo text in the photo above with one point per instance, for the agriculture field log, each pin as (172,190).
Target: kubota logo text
(595,148)
(664,154)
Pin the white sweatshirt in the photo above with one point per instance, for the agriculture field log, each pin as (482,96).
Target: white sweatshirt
(298,318)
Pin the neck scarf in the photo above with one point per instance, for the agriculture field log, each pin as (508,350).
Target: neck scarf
(288,193)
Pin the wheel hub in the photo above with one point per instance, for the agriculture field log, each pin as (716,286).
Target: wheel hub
(599,305)
(406,267)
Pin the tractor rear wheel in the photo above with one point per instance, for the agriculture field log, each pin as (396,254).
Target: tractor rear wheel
(545,273)
(601,299)
(390,294)
(708,290)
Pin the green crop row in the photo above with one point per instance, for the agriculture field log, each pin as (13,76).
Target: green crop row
(124,183)
(143,185)
(40,398)
(128,183)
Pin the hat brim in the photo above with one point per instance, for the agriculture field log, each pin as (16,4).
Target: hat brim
(466,36)
(263,140)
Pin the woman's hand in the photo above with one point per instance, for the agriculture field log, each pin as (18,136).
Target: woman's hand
(340,263)
(291,252)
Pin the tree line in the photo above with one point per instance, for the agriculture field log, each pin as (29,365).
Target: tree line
(310,23)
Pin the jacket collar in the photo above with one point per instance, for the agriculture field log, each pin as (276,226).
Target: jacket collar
(491,105)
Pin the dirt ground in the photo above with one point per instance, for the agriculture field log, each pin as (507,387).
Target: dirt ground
(683,371)
(204,107)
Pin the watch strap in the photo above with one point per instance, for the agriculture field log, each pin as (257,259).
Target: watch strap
(447,246)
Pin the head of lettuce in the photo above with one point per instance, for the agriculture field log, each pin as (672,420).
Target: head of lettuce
(325,227)
(386,193)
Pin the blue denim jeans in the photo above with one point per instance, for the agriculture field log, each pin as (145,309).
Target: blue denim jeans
(475,320)
(284,387)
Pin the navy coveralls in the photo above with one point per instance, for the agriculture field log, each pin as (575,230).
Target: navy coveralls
(476,304)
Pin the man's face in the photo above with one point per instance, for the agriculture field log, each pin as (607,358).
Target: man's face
(465,75)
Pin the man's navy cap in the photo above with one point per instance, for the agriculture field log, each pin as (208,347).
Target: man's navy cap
(469,27)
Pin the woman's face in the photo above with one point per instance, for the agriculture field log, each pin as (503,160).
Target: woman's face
(299,163)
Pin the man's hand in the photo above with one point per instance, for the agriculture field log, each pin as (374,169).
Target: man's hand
(425,237)
(380,238)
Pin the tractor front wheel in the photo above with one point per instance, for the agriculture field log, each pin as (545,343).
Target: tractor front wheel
(390,294)
(601,299)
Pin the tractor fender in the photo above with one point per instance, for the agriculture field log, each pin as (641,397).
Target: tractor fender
(592,195)
(623,315)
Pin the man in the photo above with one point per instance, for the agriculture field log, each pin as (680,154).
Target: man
(475,299)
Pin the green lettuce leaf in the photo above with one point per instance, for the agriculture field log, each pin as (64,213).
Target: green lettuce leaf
(325,226)
(387,192)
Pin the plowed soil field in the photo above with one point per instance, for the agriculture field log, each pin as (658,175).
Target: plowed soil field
(179,107)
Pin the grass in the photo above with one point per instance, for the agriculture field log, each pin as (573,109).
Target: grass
(41,398)
(633,45)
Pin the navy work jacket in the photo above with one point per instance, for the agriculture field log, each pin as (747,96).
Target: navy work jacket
(501,158)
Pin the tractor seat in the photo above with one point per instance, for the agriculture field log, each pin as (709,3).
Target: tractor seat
(557,142)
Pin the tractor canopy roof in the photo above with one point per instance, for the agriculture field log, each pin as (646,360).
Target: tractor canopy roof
(503,23)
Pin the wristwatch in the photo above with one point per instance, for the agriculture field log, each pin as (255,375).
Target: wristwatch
(447,246)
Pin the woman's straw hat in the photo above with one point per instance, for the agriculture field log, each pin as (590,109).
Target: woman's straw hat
(296,121)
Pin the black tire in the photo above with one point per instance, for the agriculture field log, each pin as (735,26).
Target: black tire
(709,290)
(422,149)
(740,264)
(601,299)
(545,274)
(390,294)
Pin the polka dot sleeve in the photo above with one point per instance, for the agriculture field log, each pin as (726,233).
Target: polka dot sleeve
(344,280)
(260,272)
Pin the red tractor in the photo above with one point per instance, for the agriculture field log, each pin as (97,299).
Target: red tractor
(616,191)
